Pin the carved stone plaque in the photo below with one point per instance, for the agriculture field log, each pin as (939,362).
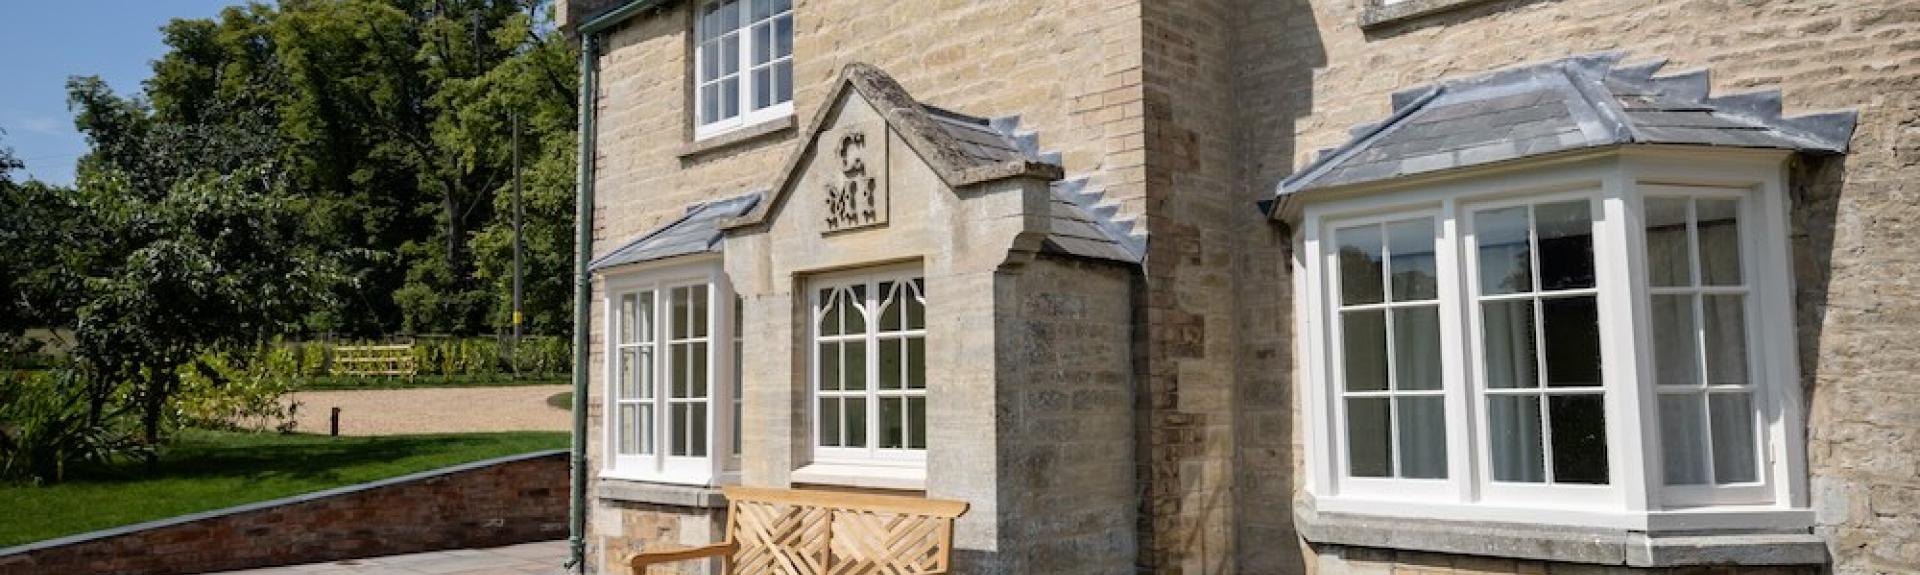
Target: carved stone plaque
(853,164)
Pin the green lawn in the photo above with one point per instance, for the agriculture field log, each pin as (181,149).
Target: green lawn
(335,383)
(205,470)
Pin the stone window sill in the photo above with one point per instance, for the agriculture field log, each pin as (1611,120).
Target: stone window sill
(1380,13)
(1559,544)
(732,138)
(699,497)
(862,476)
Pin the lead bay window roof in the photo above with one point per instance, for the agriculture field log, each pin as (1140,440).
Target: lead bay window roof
(1581,102)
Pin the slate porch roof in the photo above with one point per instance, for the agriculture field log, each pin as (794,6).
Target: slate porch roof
(1585,101)
(696,231)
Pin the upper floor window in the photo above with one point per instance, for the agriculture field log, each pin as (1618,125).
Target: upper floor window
(743,63)
(666,416)
(870,376)
(1580,354)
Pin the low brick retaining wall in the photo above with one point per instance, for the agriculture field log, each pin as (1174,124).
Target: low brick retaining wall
(503,501)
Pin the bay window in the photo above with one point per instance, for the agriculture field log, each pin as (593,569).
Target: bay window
(1573,346)
(743,63)
(663,361)
(870,372)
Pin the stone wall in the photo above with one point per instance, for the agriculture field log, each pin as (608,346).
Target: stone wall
(1308,72)
(504,501)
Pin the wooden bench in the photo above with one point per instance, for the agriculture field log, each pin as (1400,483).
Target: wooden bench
(368,360)
(791,532)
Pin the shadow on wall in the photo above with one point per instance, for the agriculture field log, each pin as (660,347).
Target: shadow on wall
(1814,187)
(1446,17)
(1277,49)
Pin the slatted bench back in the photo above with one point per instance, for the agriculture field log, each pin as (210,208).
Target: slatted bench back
(790,532)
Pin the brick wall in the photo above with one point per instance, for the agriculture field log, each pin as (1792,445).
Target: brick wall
(501,502)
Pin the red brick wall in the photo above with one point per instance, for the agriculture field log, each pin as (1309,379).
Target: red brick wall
(501,502)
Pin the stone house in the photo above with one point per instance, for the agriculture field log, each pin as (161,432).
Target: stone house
(1265,286)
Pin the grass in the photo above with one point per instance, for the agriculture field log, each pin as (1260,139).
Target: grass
(338,383)
(206,470)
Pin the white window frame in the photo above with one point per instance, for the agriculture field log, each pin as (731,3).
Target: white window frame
(1635,496)
(705,127)
(872,457)
(661,466)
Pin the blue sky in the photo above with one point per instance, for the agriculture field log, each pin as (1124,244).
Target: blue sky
(43,42)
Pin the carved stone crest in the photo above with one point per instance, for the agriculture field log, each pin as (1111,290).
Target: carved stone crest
(855,172)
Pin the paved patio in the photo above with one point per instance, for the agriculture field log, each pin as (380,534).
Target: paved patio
(543,558)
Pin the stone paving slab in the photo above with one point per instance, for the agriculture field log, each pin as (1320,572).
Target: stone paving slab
(544,558)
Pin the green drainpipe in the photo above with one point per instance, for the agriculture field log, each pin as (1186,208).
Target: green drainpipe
(583,279)
(582,304)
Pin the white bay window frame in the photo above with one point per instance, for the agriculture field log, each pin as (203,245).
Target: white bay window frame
(660,464)
(1635,496)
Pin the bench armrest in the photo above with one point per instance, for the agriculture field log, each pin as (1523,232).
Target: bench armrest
(641,561)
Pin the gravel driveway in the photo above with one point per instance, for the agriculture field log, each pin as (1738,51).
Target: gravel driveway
(434,410)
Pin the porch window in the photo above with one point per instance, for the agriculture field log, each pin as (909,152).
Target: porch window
(870,369)
(743,63)
(665,422)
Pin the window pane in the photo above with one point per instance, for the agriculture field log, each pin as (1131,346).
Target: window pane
(1360,265)
(856,362)
(829,366)
(729,98)
(1579,439)
(1369,448)
(697,360)
(730,15)
(1505,259)
(1566,245)
(1734,460)
(890,311)
(1509,350)
(1415,272)
(697,429)
(762,43)
(677,313)
(1668,261)
(890,363)
(1364,349)
(916,363)
(628,321)
(782,6)
(762,88)
(677,422)
(1416,348)
(1514,432)
(709,24)
(643,373)
(761,9)
(629,421)
(709,103)
(830,312)
(628,375)
(1676,349)
(916,311)
(783,37)
(1423,437)
(1719,227)
(1683,450)
(856,411)
(1572,332)
(646,429)
(680,368)
(829,421)
(1726,335)
(783,81)
(917,423)
(697,320)
(856,319)
(893,430)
